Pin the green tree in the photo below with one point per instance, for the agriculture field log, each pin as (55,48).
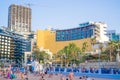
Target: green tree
(70,52)
(1,64)
(74,52)
(41,55)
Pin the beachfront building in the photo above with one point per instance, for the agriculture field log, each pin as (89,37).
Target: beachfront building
(55,40)
(12,46)
(19,21)
(113,36)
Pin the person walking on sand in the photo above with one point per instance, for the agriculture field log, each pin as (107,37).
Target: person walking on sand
(62,77)
(71,76)
(8,74)
(22,75)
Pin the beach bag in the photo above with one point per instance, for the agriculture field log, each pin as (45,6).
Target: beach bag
(12,76)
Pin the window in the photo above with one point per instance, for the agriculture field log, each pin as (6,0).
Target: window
(62,32)
(58,38)
(2,36)
(5,46)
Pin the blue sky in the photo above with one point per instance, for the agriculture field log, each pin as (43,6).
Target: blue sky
(60,14)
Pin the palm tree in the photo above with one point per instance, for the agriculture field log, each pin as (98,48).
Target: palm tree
(74,52)
(111,47)
(70,52)
(101,47)
(93,42)
(60,55)
(54,58)
(117,48)
(84,46)
(77,55)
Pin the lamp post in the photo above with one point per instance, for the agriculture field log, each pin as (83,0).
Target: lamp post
(78,55)
(55,61)
(101,46)
(99,59)
(61,60)
(65,60)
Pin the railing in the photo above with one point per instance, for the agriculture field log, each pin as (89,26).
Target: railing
(113,73)
(101,65)
(86,70)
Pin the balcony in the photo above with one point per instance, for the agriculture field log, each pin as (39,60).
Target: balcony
(97,30)
(97,34)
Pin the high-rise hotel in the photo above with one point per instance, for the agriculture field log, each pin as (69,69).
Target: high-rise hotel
(19,18)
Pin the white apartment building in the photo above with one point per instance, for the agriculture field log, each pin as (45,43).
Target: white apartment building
(100,32)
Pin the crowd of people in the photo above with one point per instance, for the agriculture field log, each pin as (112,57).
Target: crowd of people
(24,73)
(35,71)
(12,73)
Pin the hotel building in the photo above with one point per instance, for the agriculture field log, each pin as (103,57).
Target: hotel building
(58,39)
(19,18)
(113,36)
(12,46)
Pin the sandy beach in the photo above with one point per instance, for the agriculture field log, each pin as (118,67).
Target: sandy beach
(53,77)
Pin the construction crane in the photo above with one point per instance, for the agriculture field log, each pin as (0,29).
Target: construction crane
(29,5)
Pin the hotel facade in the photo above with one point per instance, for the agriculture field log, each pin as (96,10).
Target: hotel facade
(58,39)
(113,36)
(12,46)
